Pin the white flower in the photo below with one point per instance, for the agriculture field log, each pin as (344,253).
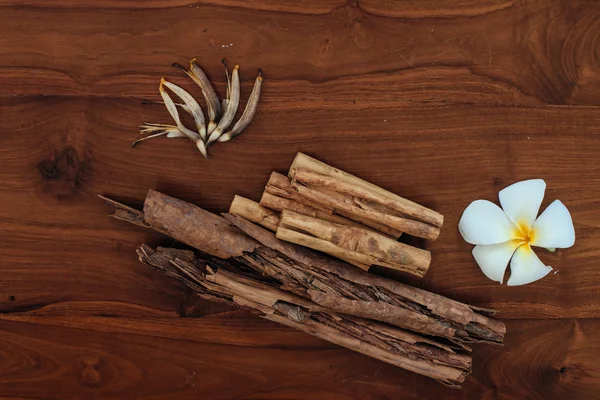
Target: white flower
(509,232)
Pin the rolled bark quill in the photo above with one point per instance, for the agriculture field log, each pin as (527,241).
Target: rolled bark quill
(280,194)
(262,215)
(352,244)
(341,192)
(258,214)
(186,223)
(328,282)
(254,212)
(217,280)
(279,204)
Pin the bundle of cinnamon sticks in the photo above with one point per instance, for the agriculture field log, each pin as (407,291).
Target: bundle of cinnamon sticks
(250,258)
(329,210)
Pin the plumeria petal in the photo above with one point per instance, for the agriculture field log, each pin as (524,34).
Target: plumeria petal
(554,228)
(521,201)
(493,259)
(483,222)
(526,267)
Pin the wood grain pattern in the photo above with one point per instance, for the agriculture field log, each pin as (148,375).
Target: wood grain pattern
(508,143)
(187,358)
(531,52)
(442,102)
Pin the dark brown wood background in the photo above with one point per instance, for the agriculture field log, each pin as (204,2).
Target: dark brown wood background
(441,101)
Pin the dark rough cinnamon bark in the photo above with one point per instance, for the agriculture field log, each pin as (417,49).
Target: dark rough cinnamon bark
(217,280)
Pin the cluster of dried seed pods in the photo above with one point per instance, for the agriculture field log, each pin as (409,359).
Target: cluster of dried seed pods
(220,115)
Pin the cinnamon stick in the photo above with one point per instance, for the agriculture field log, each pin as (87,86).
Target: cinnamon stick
(252,211)
(258,214)
(412,227)
(194,226)
(280,187)
(383,342)
(352,244)
(358,199)
(306,162)
(279,204)
(417,212)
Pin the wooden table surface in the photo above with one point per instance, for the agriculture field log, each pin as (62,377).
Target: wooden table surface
(440,101)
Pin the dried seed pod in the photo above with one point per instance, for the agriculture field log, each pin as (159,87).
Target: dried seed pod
(249,111)
(224,105)
(225,102)
(195,137)
(232,106)
(192,105)
(149,127)
(202,147)
(175,114)
(212,101)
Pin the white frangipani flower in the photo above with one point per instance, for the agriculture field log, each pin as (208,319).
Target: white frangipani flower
(507,234)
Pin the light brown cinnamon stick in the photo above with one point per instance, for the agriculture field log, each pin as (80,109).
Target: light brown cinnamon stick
(358,199)
(280,187)
(419,213)
(252,211)
(352,244)
(412,227)
(304,161)
(258,214)
(279,204)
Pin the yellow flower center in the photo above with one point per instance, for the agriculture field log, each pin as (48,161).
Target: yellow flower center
(524,232)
